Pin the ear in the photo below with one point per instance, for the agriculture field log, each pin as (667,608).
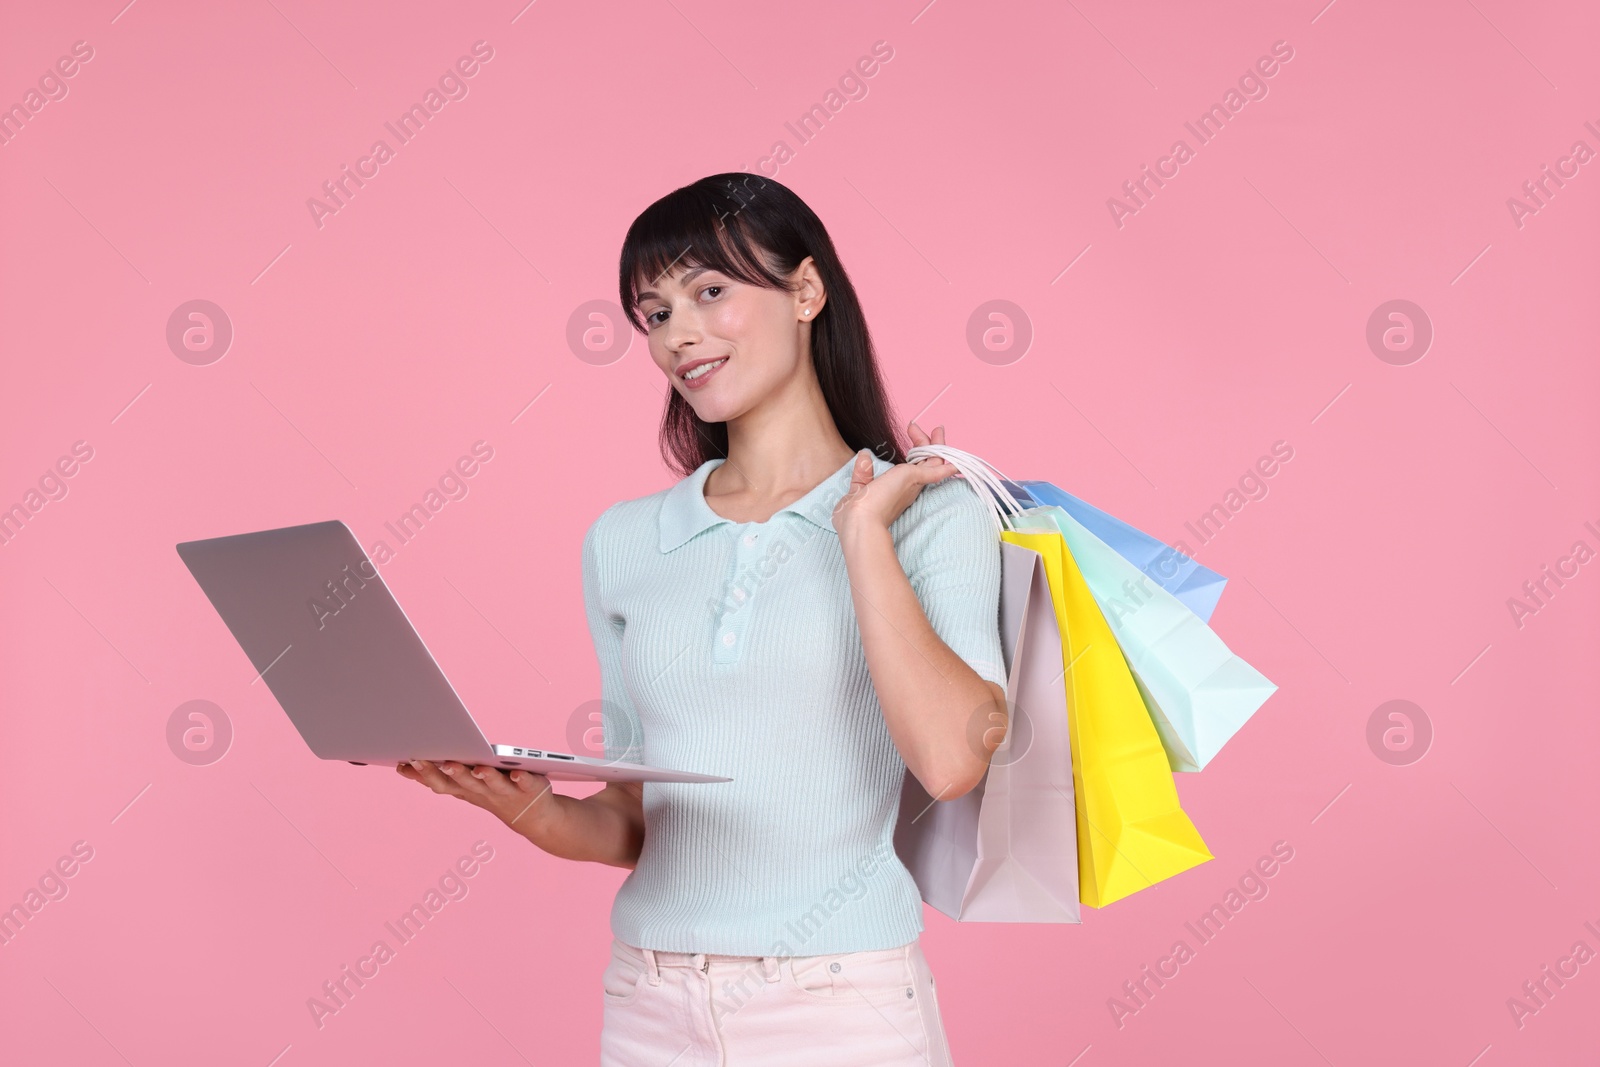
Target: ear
(810,294)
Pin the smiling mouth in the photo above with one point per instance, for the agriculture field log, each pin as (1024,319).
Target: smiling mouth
(704,368)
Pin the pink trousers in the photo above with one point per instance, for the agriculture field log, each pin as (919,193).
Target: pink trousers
(676,1009)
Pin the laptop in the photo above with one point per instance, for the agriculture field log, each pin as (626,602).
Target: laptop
(330,641)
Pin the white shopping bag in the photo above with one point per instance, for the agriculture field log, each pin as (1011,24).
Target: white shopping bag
(1007,850)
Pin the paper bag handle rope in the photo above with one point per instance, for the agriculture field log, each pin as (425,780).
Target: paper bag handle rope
(988,482)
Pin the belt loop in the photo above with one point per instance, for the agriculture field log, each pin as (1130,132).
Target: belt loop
(652,966)
(771,967)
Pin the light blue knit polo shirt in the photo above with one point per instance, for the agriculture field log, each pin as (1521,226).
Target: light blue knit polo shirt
(733,649)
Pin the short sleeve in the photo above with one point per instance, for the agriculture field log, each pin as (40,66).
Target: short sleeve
(620,726)
(951,555)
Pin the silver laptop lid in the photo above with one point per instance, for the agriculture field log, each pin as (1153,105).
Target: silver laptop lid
(334,646)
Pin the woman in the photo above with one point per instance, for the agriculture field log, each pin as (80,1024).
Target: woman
(805,613)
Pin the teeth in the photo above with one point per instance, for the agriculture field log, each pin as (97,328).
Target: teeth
(704,368)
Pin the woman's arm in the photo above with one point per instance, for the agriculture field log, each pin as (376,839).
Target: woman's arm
(945,719)
(607,827)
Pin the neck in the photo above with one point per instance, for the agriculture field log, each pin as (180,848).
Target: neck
(781,448)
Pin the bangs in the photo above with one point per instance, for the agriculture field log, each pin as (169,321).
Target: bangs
(700,225)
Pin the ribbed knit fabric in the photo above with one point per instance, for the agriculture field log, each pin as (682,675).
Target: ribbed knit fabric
(733,649)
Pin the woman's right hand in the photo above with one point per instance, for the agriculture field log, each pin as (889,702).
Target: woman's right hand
(606,827)
(521,799)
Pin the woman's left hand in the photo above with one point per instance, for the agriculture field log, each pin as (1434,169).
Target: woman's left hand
(875,502)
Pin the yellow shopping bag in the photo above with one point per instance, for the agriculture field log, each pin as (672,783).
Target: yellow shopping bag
(1132,833)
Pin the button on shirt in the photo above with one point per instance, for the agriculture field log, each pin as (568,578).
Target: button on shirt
(733,649)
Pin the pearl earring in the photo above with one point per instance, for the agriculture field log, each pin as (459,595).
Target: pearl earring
(807,311)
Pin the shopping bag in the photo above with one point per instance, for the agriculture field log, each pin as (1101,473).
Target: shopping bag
(1006,851)
(1132,830)
(1197,691)
(1196,586)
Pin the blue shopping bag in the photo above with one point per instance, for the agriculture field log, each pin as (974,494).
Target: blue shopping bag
(1197,586)
(1197,691)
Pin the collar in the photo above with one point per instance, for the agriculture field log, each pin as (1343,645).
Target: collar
(685,513)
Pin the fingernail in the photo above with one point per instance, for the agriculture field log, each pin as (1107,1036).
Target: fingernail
(477,774)
(448,770)
(416,764)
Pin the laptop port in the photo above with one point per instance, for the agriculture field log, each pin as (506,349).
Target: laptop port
(558,755)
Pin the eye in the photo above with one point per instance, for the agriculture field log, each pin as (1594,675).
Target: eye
(711,289)
(651,320)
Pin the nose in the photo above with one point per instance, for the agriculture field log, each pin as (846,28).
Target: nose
(683,329)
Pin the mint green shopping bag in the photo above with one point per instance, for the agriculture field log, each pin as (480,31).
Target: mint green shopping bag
(1197,691)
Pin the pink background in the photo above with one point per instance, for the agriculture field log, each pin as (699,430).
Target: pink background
(1227,314)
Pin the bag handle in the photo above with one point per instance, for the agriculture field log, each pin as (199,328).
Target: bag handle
(984,479)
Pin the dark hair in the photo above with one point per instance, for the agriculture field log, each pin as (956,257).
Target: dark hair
(758,231)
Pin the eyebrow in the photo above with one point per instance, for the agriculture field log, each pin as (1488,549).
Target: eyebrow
(688,276)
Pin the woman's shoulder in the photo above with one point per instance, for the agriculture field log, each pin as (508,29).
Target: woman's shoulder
(629,520)
(626,515)
(943,513)
(953,499)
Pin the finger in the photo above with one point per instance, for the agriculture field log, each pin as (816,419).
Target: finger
(861,473)
(938,434)
(429,775)
(461,775)
(935,470)
(919,437)
(537,786)
(529,782)
(494,781)
(532,789)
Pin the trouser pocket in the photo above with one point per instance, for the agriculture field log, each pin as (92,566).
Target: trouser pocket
(878,976)
(623,974)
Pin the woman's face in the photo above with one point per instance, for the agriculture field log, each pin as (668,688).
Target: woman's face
(750,341)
